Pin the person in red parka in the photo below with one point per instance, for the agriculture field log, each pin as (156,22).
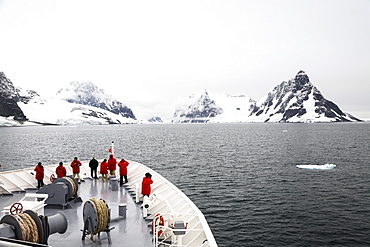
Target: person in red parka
(112,165)
(76,169)
(39,169)
(123,171)
(61,171)
(104,170)
(145,185)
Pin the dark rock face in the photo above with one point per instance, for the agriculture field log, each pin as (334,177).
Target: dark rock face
(9,96)
(295,98)
(155,120)
(86,93)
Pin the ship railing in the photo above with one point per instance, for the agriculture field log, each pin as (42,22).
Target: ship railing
(175,237)
(175,232)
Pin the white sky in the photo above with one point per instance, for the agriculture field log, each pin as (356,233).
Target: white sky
(149,53)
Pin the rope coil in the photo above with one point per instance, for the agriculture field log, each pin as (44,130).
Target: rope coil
(74,187)
(102,213)
(28,227)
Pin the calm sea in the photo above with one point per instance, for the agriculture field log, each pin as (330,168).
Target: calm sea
(243,177)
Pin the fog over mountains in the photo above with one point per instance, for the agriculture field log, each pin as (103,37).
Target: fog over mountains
(295,100)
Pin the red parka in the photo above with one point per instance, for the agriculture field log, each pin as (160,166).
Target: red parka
(61,171)
(145,186)
(123,167)
(112,163)
(39,169)
(76,166)
(104,168)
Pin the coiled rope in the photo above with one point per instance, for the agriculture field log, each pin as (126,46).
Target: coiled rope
(74,187)
(28,227)
(102,214)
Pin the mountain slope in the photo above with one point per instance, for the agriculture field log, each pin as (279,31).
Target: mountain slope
(86,93)
(297,100)
(10,96)
(60,112)
(210,107)
(81,103)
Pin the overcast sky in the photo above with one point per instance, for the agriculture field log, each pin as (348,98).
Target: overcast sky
(149,53)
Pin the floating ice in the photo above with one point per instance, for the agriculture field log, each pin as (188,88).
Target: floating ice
(321,167)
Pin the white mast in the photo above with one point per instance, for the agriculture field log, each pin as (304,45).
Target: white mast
(112,148)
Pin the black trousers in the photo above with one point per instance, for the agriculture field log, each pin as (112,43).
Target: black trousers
(93,171)
(121,180)
(40,183)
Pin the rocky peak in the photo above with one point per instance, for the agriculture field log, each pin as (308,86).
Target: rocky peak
(301,79)
(298,100)
(9,97)
(81,88)
(87,93)
(7,88)
(202,107)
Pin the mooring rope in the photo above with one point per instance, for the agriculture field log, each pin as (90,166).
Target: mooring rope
(102,214)
(74,187)
(28,227)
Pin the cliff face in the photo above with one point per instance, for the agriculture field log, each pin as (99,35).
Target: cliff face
(203,107)
(9,98)
(86,93)
(298,100)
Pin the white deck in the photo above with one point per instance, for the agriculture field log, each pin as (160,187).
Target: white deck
(166,199)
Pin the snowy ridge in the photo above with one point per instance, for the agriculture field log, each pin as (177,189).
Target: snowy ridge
(77,104)
(86,93)
(61,112)
(201,109)
(217,108)
(297,100)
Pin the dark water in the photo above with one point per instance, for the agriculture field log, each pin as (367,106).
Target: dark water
(243,177)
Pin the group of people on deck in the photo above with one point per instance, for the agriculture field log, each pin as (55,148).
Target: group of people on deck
(106,166)
(111,166)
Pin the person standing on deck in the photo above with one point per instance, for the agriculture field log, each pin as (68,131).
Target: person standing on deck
(39,169)
(112,165)
(145,185)
(104,170)
(61,170)
(123,171)
(76,169)
(93,164)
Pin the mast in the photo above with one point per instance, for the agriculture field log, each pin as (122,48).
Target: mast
(111,150)
(112,147)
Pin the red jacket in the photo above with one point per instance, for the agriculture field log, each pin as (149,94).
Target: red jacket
(39,169)
(61,171)
(104,168)
(123,167)
(145,186)
(112,162)
(76,166)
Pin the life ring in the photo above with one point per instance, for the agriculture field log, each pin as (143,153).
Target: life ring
(157,221)
(52,178)
(16,208)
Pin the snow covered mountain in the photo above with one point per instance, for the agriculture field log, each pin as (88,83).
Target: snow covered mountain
(80,103)
(11,95)
(210,107)
(86,93)
(297,100)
